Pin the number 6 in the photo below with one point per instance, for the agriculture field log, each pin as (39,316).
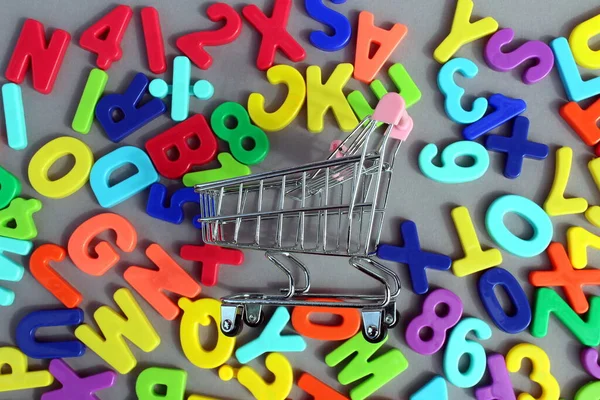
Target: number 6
(458,345)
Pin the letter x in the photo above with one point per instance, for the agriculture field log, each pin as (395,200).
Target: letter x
(274,33)
(412,255)
(516,147)
(74,387)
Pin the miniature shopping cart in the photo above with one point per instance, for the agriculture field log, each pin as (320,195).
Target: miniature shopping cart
(334,207)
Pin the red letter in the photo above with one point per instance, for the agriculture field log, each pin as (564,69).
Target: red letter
(177,138)
(155,45)
(192,45)
(31,51)
(151,284)
(274,33)
(317,389)
(583,122)
(104,37)
(211,257)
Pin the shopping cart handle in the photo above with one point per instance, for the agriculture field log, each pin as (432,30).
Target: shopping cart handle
(390,109)
(403,128)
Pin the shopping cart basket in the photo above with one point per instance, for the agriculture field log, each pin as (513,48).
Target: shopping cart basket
(334,207)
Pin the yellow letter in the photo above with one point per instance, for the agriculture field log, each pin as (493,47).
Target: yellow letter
(578,240)
(463,31)
(19,378)
(45,157)
(475,259)
(579,42)
(556,204)
(203,312)
(136,327)
(278,120)
(321,97)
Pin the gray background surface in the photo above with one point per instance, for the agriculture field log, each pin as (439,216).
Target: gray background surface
(234,76)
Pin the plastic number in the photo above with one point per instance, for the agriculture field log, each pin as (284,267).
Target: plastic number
(243,130)
(458,346)
(450,172)
(429,318)
(540,370)
(517,321)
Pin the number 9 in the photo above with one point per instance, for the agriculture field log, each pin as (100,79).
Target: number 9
(458,345)
(450,171)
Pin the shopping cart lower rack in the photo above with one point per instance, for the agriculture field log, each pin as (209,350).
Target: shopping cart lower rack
(334,207)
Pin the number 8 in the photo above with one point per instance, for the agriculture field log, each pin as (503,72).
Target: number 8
(458,345)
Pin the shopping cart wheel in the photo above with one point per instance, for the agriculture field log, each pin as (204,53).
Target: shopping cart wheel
(231,320)
(392,324)
(373,330)
(253,315)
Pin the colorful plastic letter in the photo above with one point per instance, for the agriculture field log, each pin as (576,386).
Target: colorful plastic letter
(173,380)
(380,370)
(533,49)
(540,369)
(230,168)
(564,275)
(192,45)
(74,387)
(105,256)
(104,36)
(170,277)
(211,257)
(458,346)
(289,110)
(556,203)
(436,388)
(19,378)
(110,195)
(578,40)
(335,21)
(238,136)
(505,109)
(516,147)
(176,138)
(365,66)
(39,266)
(16,129)
(501,386)
(274,33)
(271,340)
(10,187)
(450,171)
(153,37)
(317,389)
(583,122)
(412,255)
(94,87)
(112,347)
(173,213)
(589,361)
(463,31)
(549,302)
(453,93)
(47,155)
(576,88)
(405,86)
(475,258)
(203,312)
(9,270)
(518,320)
(134,116)
(29,324)
(32,52)
(279,389)
(321,97)
(578,240)
(20,213)
(429,318)
(589,391)
(530,212)
(345,330)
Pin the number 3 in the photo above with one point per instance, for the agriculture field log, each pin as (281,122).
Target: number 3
(540,370)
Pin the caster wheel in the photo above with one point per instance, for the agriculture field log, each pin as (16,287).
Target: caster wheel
(252,321)
(395,323)
(232,329)
(372,336)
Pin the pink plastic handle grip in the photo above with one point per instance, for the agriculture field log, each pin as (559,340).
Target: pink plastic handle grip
(403,129)
(390,109)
